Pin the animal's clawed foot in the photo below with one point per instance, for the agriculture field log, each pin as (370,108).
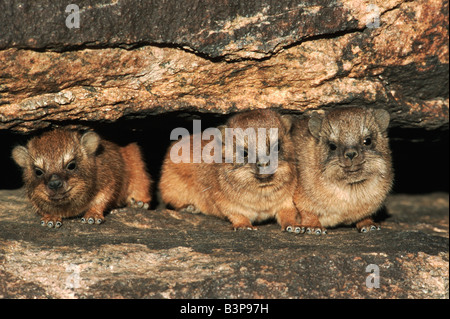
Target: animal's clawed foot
(132,203)
(296,229)
(312,230)
(92,218)
(304,229)
(369,228)
(315,230)
(191,209)
(118,210)
(51,221)
(244,227)
(138,204)
(367,225)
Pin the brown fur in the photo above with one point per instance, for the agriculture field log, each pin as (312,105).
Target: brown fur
(102,175)
(236,191)
(334,189)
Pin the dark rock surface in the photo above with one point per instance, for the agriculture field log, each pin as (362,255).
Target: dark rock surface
(210,27)
(165,254)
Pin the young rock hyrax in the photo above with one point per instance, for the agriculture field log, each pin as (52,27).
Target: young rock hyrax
(344,168)
(67,173)
(241,185)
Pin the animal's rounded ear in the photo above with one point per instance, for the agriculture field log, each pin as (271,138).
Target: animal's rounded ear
(315,125)
(382,118)
(90,142)
(21,156)
(287,122)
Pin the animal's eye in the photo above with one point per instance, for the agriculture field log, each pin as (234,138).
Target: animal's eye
(71,166)
(367,141)
(277,146)
(38,172)
(332,146)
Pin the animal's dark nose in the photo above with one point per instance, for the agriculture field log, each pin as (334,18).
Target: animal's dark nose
(55,183)
(261,164)
(351,154)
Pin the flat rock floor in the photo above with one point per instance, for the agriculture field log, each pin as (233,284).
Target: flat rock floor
(166,254)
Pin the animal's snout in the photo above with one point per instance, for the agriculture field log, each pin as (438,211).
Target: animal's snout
(55,182)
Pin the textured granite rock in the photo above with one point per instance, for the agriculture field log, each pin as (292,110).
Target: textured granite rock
(165,254)
(221,57)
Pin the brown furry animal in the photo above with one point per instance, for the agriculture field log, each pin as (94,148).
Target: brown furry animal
(239,192)
(67,173)
(344,168)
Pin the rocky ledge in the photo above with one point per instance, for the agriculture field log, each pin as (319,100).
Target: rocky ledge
(166,254)
(129,58)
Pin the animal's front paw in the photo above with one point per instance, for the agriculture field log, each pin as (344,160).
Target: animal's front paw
(191,209)
(315,230)
(369,228)
(133,203)
(51,221)
(296,229)
(367,225)
(118,210)
(244,227)
(92,218)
